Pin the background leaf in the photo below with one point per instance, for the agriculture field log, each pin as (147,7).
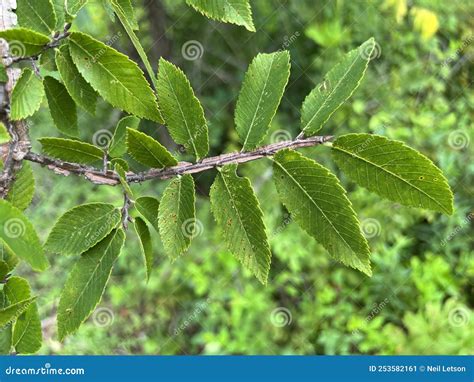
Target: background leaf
(231,11)
(82,227)
(237,212)
(23,189)
(26,95)
(61,106)
(118,144)
(74,6)
(18,234)
(37,15)
(24,42)
(78,88)
(181,110)
(114,76)
(71,150)
(261,93)
(146,245)
(147,151)
(319,204)
(394,171)
(339,84)
(13,311)
(177,216)
(86,283)
(148,207)
(27,335)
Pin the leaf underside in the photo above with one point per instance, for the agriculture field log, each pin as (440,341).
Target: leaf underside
(319,204)
(82,227)
(146,246)
(339,84)
(148,207)
(231,11)
(237,211)
(261,93)
(394,171)
(176,216)
(26,95)
(86,283)
(181,110)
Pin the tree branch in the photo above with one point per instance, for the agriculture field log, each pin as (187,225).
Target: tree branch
(98,176)
(19,143)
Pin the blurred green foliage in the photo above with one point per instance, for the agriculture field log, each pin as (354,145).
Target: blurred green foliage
(418,89)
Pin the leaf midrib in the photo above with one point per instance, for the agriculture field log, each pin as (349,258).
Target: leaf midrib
(332,92)
(111,74)
(259,102)
(313,201)
(191,138)
(354,155)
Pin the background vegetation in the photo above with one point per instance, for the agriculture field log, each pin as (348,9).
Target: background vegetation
(418,89)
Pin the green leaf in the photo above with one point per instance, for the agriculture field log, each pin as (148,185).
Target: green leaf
(114,76)
(23,188)
(146,245)
(339,84)
(6,333)
(12,312)
(19,236)
(74,6)
(261,93)
(181,109)
(394,171)
(177,216)
(3,74)
(148,207)
(319,204)
(147,151)
(237,212)
(59,10)
(71,151)
(61,106)
(4,136)
(47,60)
(123,179)
(27,336)
(26,95)
(4,270)
(86,283)
(230,11)
(82,227)
(124,9)
(121,162)
(37,15)
(118,144)
(24,42)
(78,88)
(126,15)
